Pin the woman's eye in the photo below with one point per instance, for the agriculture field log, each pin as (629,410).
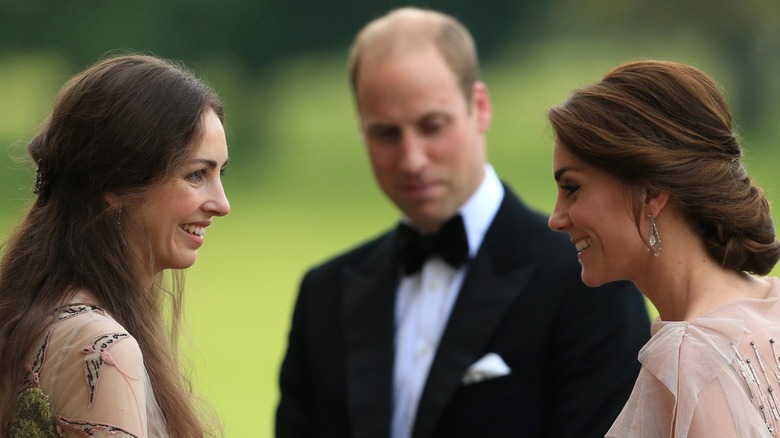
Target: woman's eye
(197,175)
(570,188)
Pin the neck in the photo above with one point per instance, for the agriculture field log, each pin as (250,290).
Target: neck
(684,282)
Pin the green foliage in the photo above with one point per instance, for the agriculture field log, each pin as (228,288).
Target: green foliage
(255,34)
(33,416)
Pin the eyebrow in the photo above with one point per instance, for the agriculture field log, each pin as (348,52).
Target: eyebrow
(379,126)
(560,172)
(426,116)
(210,163)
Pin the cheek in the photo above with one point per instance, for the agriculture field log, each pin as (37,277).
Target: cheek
(581,217)
(618,232)
(592,220)
(382,160)
(459,150)
(186,205)
(176,209)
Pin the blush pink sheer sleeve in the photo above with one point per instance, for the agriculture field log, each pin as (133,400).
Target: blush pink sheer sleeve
(93,372)
(714,376)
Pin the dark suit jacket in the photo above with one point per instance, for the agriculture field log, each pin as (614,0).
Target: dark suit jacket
(572,349)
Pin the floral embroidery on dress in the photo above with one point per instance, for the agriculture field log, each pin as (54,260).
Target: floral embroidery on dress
(86,428)
(77,309)
(96,355)
(34,417)
(33,369)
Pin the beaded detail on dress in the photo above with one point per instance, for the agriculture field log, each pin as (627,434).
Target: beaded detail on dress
(764,400)
(716,375)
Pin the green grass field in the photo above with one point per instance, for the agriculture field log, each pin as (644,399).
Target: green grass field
(310,193)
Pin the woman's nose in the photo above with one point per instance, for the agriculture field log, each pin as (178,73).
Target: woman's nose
(559,220)
(220,204)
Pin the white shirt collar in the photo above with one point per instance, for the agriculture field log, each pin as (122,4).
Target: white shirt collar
(478,212)
(480,209)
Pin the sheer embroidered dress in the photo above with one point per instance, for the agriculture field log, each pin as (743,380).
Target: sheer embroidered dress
(92,371)
(715,376)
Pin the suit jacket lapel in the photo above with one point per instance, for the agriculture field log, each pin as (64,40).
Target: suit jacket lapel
(369,318)
(485,296)
(480,308)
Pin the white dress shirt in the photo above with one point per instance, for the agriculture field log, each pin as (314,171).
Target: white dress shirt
(424,302)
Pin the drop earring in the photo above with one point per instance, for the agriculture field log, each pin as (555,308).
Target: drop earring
(653,237)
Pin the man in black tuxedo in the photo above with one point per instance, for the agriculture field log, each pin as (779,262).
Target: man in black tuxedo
(484,331)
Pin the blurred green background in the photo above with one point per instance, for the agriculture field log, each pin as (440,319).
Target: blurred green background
(299,182)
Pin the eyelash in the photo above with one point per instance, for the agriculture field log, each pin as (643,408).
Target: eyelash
(434,127)
(199,174)
(392,133)
(570,188)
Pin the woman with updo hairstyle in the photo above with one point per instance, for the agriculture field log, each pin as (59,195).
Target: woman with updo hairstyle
(652,189)
(129,165)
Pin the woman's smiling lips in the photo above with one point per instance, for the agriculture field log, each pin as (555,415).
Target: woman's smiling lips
(195,231)
(582,244)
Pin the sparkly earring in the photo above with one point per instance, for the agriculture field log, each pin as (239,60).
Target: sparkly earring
(653,237)
(119,220)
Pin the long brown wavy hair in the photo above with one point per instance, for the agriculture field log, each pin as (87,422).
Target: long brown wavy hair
(666,126)
(121,126)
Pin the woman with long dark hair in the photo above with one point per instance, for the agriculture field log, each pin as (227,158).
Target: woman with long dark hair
(129,166)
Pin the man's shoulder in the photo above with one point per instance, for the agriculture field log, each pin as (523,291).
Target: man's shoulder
(519,224)
(361,255)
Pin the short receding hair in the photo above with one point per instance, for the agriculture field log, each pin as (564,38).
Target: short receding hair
(408,28)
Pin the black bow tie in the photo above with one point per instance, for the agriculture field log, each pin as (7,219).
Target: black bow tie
(450,244)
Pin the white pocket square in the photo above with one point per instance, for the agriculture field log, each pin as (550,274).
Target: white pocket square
(489,367)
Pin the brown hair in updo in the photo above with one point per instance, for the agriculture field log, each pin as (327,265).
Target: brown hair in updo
(665,126)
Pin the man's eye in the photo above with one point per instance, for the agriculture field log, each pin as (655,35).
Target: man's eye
(433,125)
(383,133)
(432,128)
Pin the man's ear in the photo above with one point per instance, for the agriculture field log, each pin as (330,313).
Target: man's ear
(113,200)
(482,106)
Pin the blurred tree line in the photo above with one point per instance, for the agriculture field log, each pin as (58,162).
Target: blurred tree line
(254,34)
(745,33)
